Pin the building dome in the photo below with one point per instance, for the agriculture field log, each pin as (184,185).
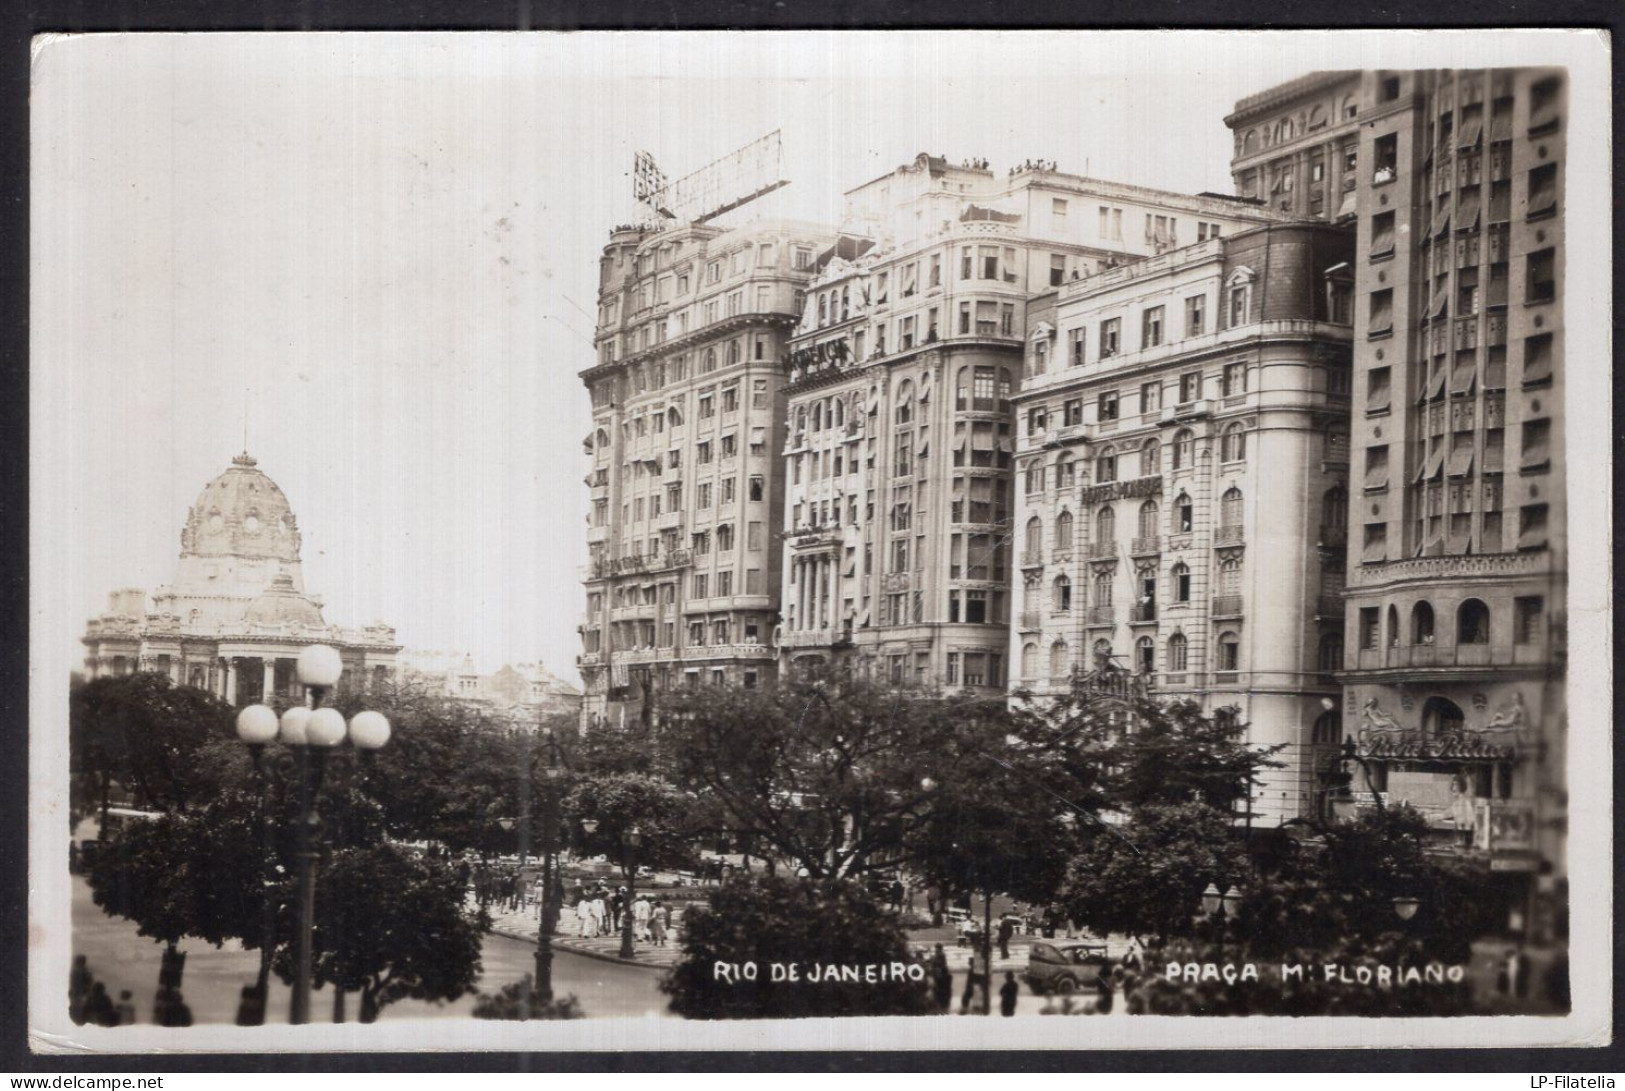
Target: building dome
(281,604)
(241,513)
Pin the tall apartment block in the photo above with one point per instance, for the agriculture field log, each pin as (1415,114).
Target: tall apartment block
(901,384)
(688,422)
(1455,603)
(1298,145)
(1182,488)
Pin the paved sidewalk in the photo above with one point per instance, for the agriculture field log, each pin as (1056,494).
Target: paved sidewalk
(522,924)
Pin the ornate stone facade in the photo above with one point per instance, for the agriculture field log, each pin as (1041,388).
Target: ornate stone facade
(237,615)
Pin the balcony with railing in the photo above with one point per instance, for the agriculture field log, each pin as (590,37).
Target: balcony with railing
(1032,620)
(1032,558)
(1102,551)
(1145,546)
(1102,616)
(1228,535)
(1143,614)
(728,651)
(1227,606)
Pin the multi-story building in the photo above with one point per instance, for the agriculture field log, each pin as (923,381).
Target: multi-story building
(1454,681)
(1181,486)
(517,695)
(237,615)
(688,420)
(901,379)
(1297,145)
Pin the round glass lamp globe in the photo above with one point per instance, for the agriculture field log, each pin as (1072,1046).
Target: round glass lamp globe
(326,728)
(369,730)
(256,725)
(294,722)
(320,665)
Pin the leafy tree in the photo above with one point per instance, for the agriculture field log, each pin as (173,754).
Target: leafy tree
(619,803)
(391,925)
(1147,875)
(145,734)
(829,772)
(812,925)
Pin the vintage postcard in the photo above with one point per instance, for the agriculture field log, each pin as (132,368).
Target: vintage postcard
(820,540)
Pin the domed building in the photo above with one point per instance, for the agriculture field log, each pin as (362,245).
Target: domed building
(237,614)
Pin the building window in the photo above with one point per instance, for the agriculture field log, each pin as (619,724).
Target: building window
(1106,406)
(1233,447)
(1195,315)
(1151,327)
(1540,285)
(1183,514)
(1330,656)
(1229,653)
(1150,397)
(1110,337)
(1369,623)
(1473,623)
(1178,650)
(1233,380)
(1057,269)
(1106,465)
(802,258)
(1106,530)
(1061,597)
(1077,346)
(1385,159)
(1181,574)
(1241,300)
(1150,458)
(1528,619)
(1190,386)
(1057,214)
(1422,623)
(1381,319)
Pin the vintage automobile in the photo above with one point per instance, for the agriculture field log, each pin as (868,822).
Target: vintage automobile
(1066,967)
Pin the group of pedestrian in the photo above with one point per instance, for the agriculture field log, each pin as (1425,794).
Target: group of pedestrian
(600,912)
(89,1002)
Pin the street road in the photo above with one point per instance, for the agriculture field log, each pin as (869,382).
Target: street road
(214,977)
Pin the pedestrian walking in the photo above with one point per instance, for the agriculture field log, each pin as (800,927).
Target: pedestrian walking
(539,896)
(584,925)
(1007,928)
(640,918)
(896,891)
(125,1009)
(978,976)
(942,980)
(1008,992)
(80,982)
(657,923)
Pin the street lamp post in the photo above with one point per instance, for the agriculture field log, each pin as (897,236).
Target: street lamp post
(629,858)
(310,733)
(550,863)
(1220,910)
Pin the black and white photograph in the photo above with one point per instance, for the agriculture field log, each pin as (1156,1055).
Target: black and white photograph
(819,540)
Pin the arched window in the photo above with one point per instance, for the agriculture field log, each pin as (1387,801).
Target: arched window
(673,417)
(1150,458)
(1181,574)
(801,418)
(1330,657)
(1035,535)
(823,308)
(846,302)
(818,417)
(733,351)
(1066,471)
(839,412)
(1393,626)
(1150,516)
(1106,465)
(1328,730)
(1229,652)
(1473,623)
(1233,448)
(1105,528)
(1334,513)
(1184,517)
(1184,449)
(1029,660)
(1422,623)
(1062,598)
(1230,577)
(1103,588)
(905,402)
(1230,508)
(1145,655)
(602,439)
(1177,652)
(1249,143)
(1035,477)
(1057,659)
(1064,532)
(1441,717)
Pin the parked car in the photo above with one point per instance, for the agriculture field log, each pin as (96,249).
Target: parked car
(1065,968)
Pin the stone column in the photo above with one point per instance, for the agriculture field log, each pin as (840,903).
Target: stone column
(269,665)
(229,674)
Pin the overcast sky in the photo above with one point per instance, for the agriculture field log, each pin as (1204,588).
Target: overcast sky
(385,248)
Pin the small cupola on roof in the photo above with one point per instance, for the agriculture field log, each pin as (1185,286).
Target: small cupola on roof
(281,604)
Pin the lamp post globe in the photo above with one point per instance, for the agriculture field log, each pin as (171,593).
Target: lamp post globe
(294,723)
(1232,901)
(1211,899)
(326,728)
(590,825)
(369,730)
(1406,907)
(319,666)
(256,725)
